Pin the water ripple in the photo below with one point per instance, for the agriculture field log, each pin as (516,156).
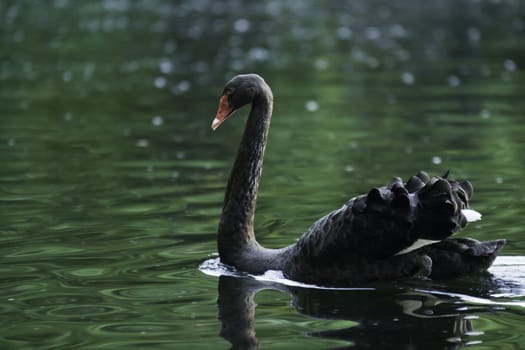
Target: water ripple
(153,293)
(46,335)
(135,328)
(84,311)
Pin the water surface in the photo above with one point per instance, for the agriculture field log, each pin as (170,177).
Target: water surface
(111,181)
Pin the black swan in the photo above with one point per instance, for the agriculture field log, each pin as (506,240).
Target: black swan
(393,232)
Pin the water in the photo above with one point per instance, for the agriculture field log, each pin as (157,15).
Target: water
(111,181)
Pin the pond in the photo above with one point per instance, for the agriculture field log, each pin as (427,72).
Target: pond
(112,181)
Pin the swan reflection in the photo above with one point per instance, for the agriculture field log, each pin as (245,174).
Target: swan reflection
(413,315)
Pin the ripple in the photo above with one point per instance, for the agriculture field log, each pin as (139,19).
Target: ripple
(87,272)
(84,311)
(153,293)
(214,267)
(60,299)
(17,269)
(43,251)
(134,328)
(37,332)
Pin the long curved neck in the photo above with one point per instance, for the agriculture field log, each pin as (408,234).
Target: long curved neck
(235,235)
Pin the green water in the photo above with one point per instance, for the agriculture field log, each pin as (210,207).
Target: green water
(111,180)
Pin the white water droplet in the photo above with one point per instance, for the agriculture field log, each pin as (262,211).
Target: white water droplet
(311,106)
(485,114)
(67,76)
(473,34)
(166,67)
(344,33)
(157,120)
(241,25)
(372,33)
(321,64)
(397,31)
(142,143)
(258,54)
(160,82)
(181,87)
(453,80)
(510,65)
(408,78)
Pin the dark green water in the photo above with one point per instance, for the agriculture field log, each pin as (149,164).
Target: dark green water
(111,180)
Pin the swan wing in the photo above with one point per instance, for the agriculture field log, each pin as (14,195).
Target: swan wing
(374,232)
(391,220)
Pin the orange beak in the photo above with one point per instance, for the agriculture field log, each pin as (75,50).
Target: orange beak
(223,112)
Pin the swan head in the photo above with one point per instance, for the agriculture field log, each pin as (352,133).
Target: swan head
(238,92)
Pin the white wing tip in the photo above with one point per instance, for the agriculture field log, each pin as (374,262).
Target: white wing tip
(471,215)
(416,245)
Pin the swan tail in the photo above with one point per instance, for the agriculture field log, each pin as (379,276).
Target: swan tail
(439,208)
(402,217)
(461,256)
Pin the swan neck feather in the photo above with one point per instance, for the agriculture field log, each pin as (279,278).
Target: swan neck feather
(235,233)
